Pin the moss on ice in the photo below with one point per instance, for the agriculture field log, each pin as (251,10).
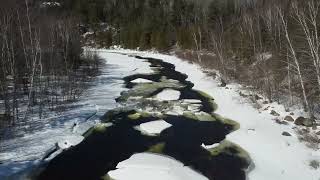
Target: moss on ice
(134,116)
(99,128)
(158,148)
(106,177)
(208,99)
(202,116)
(205,95)
(227,121)
(230,148)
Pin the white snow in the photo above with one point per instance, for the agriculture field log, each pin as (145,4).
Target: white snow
(33,141)
(275,156)
(152,166)
(128,64)
(50,4)
(154,127)
(210,146)
(264,56)
(141,80)
(19,169)
(87,33)
(192,101)
(168,95)
(69,142)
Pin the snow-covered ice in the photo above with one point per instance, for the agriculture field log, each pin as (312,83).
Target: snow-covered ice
(210,146)
(168,95)
(70,141)
(152,166)
(141,80)
(192,101)
(154,127)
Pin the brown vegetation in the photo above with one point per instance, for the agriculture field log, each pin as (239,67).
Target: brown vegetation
(40,60)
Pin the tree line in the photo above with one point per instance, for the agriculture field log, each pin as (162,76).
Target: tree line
(270,45)
(41,61)
(274,47)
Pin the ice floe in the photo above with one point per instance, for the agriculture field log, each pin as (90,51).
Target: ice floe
(154,127)
(168,95)
(146,166)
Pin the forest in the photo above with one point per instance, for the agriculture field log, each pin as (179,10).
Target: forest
(269,45)
(42,66)
(160,89)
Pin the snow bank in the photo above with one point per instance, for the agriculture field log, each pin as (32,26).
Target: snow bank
(275,156)
(156,167)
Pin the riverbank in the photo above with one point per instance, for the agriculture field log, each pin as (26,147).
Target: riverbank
(160,113)
(275,156)
(26,150)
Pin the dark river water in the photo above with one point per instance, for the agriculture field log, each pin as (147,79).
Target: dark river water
(103,149)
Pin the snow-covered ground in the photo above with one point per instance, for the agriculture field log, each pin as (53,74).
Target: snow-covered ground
(30,145)
(275,156)
(155,167)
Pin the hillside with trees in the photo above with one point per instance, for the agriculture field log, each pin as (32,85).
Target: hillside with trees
(272,46)
(41,61)
(160,89)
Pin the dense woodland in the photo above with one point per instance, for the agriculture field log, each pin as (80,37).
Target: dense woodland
(41,60)
(270,45)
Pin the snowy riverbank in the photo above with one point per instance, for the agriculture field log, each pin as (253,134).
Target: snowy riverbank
(275,156)
(27,149)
